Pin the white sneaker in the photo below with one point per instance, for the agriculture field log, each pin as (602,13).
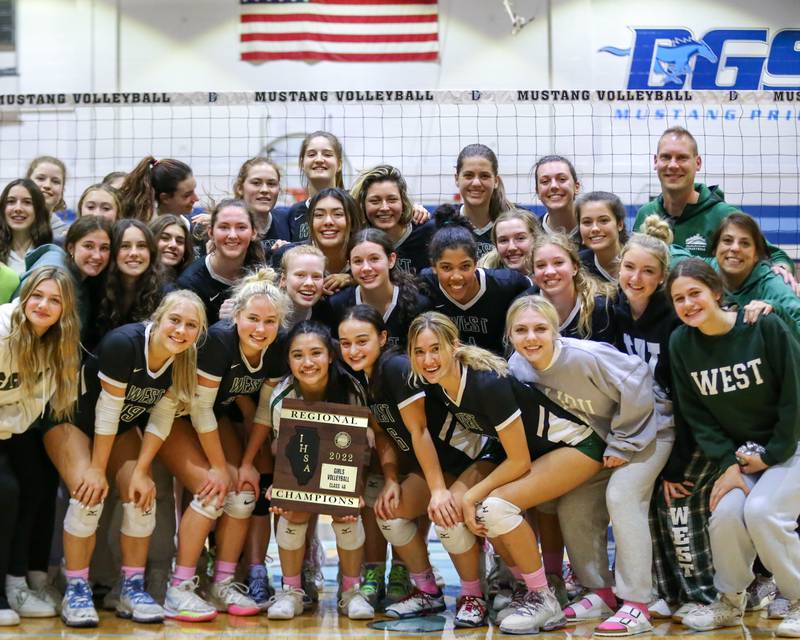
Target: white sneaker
(285,604)
(471,612)
(26,603)
(8,617)
(725,612)
(77,608)
(539,611)
(44,589)
(183,603)
(790,625)
(136,604)
(416,603)
(516,601)
(354,605)
(231,597)
(683,610)
(660,609)
(590,607)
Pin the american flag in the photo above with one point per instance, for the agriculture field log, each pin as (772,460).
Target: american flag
(340,30)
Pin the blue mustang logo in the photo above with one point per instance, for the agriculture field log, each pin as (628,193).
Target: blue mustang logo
(672,60)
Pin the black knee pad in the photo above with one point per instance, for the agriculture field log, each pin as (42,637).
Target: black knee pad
(262,504)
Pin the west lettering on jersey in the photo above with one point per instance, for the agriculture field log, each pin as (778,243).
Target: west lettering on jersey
(736,377)
(8,382)
(144,395)
(472,324)
(245,385)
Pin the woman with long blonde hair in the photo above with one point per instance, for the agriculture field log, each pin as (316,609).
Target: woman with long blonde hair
(39,360)
(143,374)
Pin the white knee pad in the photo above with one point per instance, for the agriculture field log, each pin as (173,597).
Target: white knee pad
(372,489)
(456,539)
(349,535)
(210,510)
(81,521)
(137,523)
(398,531)
(240,505)
(290,536)
(500,516)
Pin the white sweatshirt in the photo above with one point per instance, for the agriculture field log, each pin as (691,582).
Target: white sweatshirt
(17,411)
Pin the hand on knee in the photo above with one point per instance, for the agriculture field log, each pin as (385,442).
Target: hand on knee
(398,531)
(290,535)
(457,539)
(349,535)
(209,510)
(240,504)
(81,521)
(136,522)
(500,516)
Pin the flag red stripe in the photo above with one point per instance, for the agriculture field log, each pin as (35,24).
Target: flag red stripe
(369,2)
(313,17)
(340,57)
(337,37)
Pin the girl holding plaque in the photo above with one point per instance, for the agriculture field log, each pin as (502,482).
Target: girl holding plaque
(317,376)
(204,450)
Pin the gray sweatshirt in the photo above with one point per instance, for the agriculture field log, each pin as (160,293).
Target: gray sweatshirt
(610,390)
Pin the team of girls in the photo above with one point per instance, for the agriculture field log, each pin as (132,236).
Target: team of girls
(621,373)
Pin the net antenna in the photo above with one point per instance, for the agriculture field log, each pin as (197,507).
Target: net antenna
(517,21)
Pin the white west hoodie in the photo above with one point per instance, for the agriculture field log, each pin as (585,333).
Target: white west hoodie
(18,411)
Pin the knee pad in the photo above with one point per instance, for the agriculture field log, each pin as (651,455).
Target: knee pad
(81,521)
(398,531)
(239,505)
(456,540)
(210,510)
(137,523)
(349,535)
(500,516)
(262,504)
(372,489)
(290,536)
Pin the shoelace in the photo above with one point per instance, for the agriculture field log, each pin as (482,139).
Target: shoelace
(371,580)
(80,595)
(419,595)
(134,589)
(258,588)
(472,605)
(530,602)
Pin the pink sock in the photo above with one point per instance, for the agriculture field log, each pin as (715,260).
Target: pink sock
(641,606)
(182,574)
(129,572)
(471,588)
(348,582)
(516,573)
(552,562)
(78,573)
(425,581)
(223,570)
(292,581)
(535,581)
(607,595)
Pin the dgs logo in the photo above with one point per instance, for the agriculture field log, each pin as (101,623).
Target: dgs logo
(663,58)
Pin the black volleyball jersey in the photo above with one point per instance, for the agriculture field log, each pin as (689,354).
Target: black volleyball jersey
(602,322)
(278,228)
(212,289)
(481,321)
(412,248)
(220,359)
(589,260)
(331,310)
(298,221)
(483,237)
(122,362)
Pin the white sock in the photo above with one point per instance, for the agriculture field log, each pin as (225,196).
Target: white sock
(15,582)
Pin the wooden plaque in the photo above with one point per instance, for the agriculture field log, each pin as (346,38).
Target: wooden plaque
(321,459)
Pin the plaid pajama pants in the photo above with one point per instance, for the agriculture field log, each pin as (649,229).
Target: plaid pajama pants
(682,562)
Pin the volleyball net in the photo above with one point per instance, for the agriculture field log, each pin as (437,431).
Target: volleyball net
(749,142)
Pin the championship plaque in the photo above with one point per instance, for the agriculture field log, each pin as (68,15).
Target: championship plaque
(322,455)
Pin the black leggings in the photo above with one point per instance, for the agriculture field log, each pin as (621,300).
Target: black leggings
(28,478)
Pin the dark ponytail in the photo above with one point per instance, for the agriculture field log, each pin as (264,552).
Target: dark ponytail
(377,385)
